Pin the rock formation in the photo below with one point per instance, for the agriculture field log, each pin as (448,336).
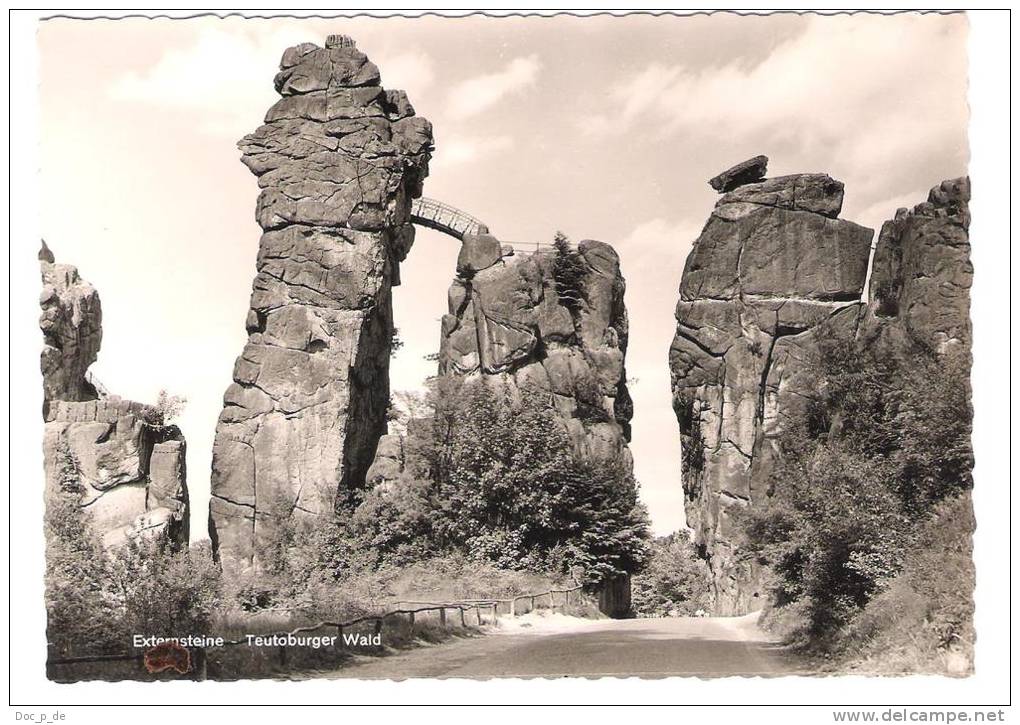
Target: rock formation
(773,273)
(338,162)
(128,467)
(507,318)
(72,326)
(922,273)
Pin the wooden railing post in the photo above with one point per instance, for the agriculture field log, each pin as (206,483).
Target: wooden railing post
(199,664)
(410,620)
(478,614)
(442,617)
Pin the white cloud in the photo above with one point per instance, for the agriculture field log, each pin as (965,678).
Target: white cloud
(224,78)
(867,94)
(462,149)
(658,244)
(481,92)
(413,72)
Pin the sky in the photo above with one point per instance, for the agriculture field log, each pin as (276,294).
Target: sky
(604,128)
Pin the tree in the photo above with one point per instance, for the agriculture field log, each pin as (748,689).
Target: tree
(96,599)
(80,615)
(857,477)
(491,474)
(675,579)
(167,408)
(163,591)
(569,271)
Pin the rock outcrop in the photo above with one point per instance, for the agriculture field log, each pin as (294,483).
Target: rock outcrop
(127,466)
(773,273)
(72,326)
(922,273)
(338,162)
(508,318)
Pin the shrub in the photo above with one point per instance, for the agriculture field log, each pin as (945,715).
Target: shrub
(490,476)
(923,619)
(167,408)
(846,502)
(164,592)
(675,580)
(81,618)
(96,600)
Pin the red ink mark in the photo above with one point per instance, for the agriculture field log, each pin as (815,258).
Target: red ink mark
(168,656)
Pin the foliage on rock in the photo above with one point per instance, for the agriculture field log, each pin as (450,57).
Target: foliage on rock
(569,271)
(844,522)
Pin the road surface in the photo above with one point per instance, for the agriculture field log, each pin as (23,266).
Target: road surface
(705,647)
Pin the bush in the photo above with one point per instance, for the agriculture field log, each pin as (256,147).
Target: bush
(848,500)
(923,619)
(675,580)
(80,604)
(167,408)
(490,477)
(97,600)
(165,592)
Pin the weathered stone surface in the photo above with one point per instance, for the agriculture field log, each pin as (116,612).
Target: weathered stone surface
(71,323)
(384,473)
(751,249)
(478,252)
(126,466)
(746,172)
(338,160)
(818,193)
(922,273)
(508,321)
(771,276)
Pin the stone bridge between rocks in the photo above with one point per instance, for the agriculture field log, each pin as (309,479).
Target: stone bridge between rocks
(446,219)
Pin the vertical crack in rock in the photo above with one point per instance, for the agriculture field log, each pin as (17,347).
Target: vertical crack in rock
(128,467)
(773,273)
(338,160)
(922,273)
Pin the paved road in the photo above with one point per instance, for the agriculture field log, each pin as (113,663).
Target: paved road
(706,647)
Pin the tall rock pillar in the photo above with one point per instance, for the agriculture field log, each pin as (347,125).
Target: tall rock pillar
(773,273)
(338,160)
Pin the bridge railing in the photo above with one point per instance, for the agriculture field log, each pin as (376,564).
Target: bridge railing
(530,247)
(445,218)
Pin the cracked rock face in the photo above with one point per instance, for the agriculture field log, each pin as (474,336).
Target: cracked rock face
(746,172)
(922,273)
(72,326)
(507,320)
(773,273)
(128,468)
(338,161)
